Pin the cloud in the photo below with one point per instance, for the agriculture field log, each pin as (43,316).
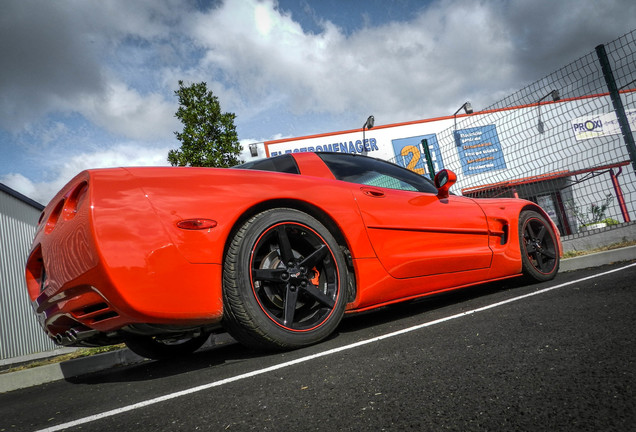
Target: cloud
(43,62)
(553,34)
(450,51)
(123,154)
(123,111)
(82,82)
(117,62)
(39,192)
(84,57)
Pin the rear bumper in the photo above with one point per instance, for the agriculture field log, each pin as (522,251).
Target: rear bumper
(110,264)
(82,314)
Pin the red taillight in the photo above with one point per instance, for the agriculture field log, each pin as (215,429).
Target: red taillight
(67,208)
(53,217)
(75,200)
(35,273)
(196,224)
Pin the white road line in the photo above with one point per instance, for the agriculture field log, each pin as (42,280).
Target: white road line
(192,390)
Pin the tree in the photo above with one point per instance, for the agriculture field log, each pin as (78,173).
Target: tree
(209,138)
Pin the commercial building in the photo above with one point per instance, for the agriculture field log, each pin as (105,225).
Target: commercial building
(20,333)
(566,155)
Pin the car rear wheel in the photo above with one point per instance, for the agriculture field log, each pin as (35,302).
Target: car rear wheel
(165,347)
(539,247)
(284,280)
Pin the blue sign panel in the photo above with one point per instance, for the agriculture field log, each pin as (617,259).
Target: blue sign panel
(409,153)
(479,149)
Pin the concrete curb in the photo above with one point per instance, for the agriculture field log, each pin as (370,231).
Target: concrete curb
(86,365)
(68,369)
(598,259)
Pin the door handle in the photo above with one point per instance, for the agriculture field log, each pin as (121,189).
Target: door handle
(374,193)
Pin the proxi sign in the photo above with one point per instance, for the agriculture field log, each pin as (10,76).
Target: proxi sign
(598,125)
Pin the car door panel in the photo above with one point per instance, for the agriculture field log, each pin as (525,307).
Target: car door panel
(417,234)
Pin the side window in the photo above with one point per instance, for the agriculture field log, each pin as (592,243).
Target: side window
(375,172)
(283,163)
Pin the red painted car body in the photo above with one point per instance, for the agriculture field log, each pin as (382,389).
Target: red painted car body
(128,249)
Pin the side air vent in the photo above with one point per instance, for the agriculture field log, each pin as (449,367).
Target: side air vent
(94,313)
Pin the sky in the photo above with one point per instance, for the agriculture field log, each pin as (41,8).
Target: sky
(90,84)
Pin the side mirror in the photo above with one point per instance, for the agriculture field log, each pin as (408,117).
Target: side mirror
(443,182)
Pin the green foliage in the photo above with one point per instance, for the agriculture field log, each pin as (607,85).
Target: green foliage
(610,221)
(209,137)
(596,212)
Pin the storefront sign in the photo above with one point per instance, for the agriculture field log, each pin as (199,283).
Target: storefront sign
(479,149)
(357,146)
(599,125)
(409,153)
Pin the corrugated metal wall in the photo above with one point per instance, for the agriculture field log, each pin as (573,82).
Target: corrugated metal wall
(20,333)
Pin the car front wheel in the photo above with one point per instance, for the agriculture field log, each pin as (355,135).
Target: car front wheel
(539,247)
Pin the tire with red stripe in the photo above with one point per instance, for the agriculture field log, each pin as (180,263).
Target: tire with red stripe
(284,281)
(539,247)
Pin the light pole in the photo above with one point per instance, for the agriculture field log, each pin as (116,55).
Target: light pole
(253,150)
(467,107)
(554,94)
(367,125)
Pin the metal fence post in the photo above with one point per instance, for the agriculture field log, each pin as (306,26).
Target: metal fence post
(429,161)
(617,103)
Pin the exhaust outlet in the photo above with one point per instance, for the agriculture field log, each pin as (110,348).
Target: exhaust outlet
(73,336)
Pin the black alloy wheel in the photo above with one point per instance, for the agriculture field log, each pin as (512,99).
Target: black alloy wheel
(283,281)
(539,246)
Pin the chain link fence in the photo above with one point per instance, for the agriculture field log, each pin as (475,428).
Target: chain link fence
(564,142)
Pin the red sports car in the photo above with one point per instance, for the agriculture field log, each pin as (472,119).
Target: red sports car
(274,252)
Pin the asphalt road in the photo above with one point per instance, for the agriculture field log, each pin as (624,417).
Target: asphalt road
(498,357)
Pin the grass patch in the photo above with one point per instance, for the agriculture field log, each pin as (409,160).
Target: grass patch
(82,352)
(572,254)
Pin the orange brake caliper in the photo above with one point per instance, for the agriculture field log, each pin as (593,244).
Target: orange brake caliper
(316,277)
